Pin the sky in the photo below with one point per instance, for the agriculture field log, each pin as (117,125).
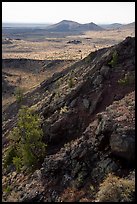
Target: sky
(81,12)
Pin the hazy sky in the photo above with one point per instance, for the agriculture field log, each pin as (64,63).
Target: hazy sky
(82,12)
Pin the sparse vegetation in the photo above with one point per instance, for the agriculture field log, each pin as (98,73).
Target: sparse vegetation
(71,83)
(114,59)
(57,95)
(7,189)
(27,147)
(57,84)
(128,79)
(47,92)
(64,110)
(19,95)
(80,179)
(10,154)
(115,189)
(17,162)
(71,194)
(92,189)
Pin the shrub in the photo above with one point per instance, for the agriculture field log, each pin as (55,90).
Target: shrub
(114,59)
(128,79)
(10,153)
(17,162)
(70,83)
(27,140)
(115,189)
(19,95)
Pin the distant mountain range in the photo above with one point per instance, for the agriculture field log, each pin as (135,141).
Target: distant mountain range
(128,26)
(111,26)
(68,26)
(117,26)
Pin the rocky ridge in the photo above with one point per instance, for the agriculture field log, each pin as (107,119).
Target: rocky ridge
(88,121)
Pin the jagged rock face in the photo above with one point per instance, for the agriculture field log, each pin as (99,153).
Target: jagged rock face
(90,127)
(122,143)
(89,155)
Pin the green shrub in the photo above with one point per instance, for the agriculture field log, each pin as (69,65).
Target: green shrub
(128,79)
(19,95)
(17,162)
(114,59)
(27,140)
(123,81)
(115,189)
(10,153)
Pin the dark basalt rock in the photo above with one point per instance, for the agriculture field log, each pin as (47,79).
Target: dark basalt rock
(122,143)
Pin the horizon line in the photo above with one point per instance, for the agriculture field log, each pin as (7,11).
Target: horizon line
(63,20)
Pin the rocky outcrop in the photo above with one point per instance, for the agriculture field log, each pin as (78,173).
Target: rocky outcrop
(122,143)
(7,41)
(91,156)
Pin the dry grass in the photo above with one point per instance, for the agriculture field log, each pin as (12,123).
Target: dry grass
(28,82)
(115,189)
(29,78)
(72,195)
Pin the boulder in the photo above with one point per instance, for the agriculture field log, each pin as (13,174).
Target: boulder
(104,71)
(122,143)
(98,80)
(105,124)
(94,103)
(73,103)
(86,103)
